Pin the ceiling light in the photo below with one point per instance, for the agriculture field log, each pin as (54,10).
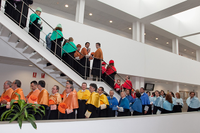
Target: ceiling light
(167,42)
(185,85)
(185,49)
(66,5)
(145,34)
(129,28)
(30,65)
(156,38)
(192,52)
(90,14)
(111,21)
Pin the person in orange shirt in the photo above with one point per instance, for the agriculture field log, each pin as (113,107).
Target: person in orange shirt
(96,68)
(84,59)
(77,63)
(35,91)
(43,99)
(54,100)
(70,99)
(6,96)
(16,86)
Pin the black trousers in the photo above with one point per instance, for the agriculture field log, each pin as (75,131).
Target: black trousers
(177,108)
(82,109)
(125,113)
(67,116)
(192,109)
(110,112)
(44,117)
(136,113)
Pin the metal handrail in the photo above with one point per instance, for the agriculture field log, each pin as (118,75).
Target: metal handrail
(60,46)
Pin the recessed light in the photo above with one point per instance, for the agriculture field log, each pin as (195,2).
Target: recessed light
(110,21)
(156,38)
(90,14)
(192,52)
(30,65)
(167,42)
(66,5)
(185,49)
(145,34)
(129,28)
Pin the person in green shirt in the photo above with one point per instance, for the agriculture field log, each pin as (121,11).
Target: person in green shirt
(35,24)
(68,50)
(56,41)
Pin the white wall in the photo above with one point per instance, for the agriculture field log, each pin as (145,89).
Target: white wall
(25,75)
(171,123)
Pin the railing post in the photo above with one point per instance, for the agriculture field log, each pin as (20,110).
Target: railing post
(85,67)
(100,70)
(21,14)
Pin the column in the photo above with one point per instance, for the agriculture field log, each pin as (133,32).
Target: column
(175,46)
(176,87)
(80,10)
(198,55)
(137,82)
(138,30)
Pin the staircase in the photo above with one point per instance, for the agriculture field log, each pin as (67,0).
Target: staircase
(35,52)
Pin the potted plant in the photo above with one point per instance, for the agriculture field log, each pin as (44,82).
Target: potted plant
(21,111)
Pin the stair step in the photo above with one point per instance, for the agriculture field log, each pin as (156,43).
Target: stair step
(5,32)
(42,61)
(55,72)
(21,44)
(49,67)
(13,38)
(35,56)
(62,77)
(28,50)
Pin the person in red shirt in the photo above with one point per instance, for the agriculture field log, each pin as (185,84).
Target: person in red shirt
(110,73)
(127,84)
(103,67)
(117,86)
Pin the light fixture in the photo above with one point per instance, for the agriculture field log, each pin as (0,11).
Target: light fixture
(185,49)
(156,38)
(110,21)
(167,42)
(30,65)
(192,52)
(90,14)
(129,28)
(145,34)
(66,5)
(185,85)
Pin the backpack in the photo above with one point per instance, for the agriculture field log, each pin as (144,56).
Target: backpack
(48,41)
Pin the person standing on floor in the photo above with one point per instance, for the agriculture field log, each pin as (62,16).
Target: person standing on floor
(54,100)
(146,107)
(103,103)
(110,73)
(85,71)
(103,73)
(113,102)
(83,96)
(96,68)
(193,103)
(178,103)
(35,24)
(69,48)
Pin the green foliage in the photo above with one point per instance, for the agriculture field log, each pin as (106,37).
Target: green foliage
(19,112)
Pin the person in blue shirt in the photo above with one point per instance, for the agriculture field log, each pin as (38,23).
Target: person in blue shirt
(146,107)
(137,105)
(112,103)
(157,102)
(167,105)
(129,97)
(193,102)
(123,109)
(178,103)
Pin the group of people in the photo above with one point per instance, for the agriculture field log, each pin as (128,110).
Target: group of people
(94,103)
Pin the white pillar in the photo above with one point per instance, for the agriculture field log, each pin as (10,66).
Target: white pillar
(80,10)
(138,30)
(175,46)
(198,55)
(142,31)
(137,82)
(176,87)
